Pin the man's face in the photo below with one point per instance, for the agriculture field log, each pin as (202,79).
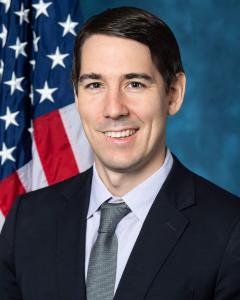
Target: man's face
(123,104)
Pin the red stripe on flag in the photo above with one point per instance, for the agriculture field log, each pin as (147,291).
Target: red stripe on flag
(10,188)
(54,149)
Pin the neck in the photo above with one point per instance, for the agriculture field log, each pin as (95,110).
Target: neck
(120,183)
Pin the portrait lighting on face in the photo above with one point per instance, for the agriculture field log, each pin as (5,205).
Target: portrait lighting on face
(126,90)
(137,224)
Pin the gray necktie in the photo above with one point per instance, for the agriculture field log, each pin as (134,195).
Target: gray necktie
(103,259)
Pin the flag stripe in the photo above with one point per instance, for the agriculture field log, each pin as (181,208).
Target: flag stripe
(2,219)
(10,187)
(32,174)
(77,138)
(54,148)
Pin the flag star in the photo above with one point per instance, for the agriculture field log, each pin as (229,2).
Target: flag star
(1,69)
(6,3)
(33,63)
(31,95)
(3,35)
(46,93)
(10,118)
(57,58)
(6,154)
(35,41)
(30,129)
(41,8)
(19,48)
(23,14)
(15,83)
(68,26)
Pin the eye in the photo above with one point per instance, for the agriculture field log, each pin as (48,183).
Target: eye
(136,85)
(94,85)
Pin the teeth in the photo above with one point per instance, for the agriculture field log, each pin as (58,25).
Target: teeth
(120,134)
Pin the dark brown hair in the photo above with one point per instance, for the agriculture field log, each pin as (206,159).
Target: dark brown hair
(139,25)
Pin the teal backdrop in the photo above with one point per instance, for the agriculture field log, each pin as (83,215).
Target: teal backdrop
(205,134)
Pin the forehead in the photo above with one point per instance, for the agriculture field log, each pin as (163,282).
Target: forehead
(110,54)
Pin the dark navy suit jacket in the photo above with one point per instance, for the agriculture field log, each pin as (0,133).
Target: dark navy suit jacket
(188,248)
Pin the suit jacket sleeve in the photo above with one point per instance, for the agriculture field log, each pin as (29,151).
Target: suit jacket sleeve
(9,289)
(228,281)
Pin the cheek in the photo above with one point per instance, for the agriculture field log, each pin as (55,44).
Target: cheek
(154,118)
(89,114)
(152,113)
(89,102)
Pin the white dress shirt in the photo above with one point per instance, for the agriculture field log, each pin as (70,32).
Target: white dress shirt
(139,200)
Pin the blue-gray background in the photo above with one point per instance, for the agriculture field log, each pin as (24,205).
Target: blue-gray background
(205,134)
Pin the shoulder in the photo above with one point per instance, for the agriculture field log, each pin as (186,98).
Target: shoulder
(205,188)
(209,199)
(217,203)
(40,208)
(79,179)
(51,195)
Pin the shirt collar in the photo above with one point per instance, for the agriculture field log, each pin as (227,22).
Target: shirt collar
(99,193)
(139,199)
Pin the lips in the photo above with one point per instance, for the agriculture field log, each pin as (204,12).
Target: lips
(120,134)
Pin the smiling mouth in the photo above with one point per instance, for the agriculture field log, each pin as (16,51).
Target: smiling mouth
(120,134)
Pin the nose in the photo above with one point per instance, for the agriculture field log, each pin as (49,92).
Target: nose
(115,105)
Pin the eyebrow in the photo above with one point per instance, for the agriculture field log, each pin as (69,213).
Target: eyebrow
(138,76)
(95,76)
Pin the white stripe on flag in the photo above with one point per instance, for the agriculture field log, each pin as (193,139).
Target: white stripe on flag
(2,219)
(32,175)
(79,143)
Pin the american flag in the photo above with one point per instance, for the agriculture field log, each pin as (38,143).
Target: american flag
(41,138)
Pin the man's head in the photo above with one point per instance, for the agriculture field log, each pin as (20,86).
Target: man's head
(139,25)
(128,77)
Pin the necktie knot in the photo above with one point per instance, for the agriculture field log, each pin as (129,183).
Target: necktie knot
(111,215)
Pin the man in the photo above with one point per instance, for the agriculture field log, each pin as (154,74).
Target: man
(139,225)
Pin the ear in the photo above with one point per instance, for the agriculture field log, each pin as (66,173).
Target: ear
(176,93)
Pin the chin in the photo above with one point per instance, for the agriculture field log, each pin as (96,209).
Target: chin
(117,166)
(122,166)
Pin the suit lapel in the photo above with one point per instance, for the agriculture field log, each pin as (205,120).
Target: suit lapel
(161,231)
(71,237)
